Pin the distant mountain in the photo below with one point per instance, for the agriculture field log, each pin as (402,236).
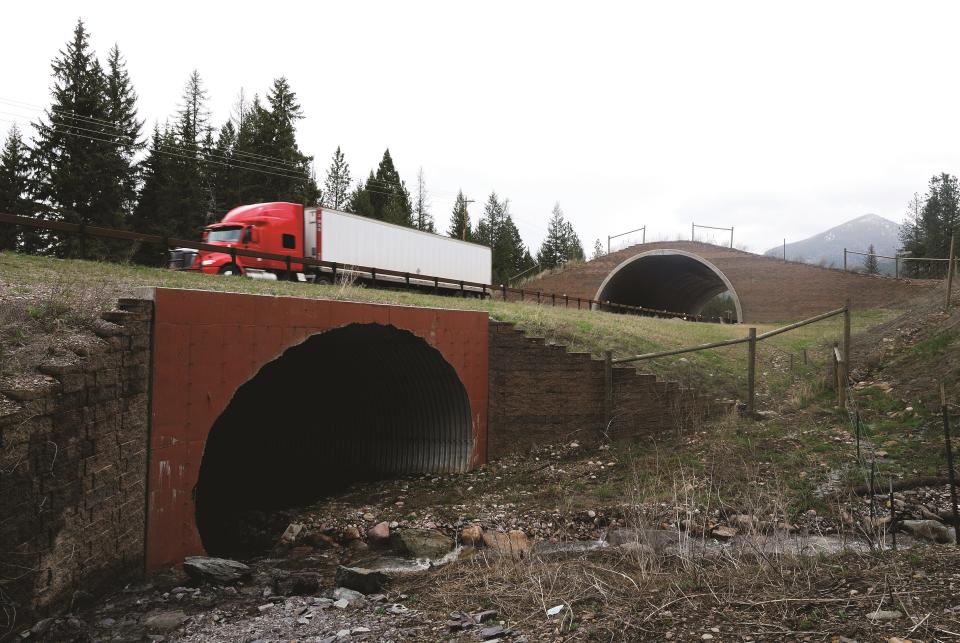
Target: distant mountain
(826,248)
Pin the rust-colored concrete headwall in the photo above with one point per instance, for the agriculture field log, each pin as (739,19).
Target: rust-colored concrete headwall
(207,345)
(769,289)
(541,394)
(73,467)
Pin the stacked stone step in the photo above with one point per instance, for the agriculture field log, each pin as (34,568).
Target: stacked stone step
(541,393)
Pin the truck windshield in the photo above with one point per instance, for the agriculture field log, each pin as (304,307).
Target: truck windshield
(229,235)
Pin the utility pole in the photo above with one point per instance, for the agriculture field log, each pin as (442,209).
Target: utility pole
(466,218)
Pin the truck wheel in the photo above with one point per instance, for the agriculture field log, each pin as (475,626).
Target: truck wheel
(228,269)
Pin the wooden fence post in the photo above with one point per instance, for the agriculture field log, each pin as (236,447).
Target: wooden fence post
(949,275)
(751,370)
(846,340)
(607,389)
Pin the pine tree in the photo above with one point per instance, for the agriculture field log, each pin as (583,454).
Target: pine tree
(597,250)
(562,243)
(336,187)
(870,264)
(573,249)
(155,203)
(14,186)
(928,234)
(122,109)
(360,201)
(77,157)
(189,181)
(460,220)
(384,196)
(422,218)
(290,174)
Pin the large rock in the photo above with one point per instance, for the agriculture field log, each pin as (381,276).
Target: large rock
(472,535)
(421,543)
(928,530)
(164,621)
(379,534)
(514,543)
(365,581)
(215,570)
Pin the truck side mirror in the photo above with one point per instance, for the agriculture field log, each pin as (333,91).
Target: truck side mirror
(250,235)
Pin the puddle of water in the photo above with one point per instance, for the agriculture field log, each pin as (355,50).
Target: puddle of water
(390,563)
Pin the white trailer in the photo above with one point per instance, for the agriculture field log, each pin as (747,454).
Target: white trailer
(350,240)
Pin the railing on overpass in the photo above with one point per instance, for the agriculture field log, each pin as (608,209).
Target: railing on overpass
(398,278)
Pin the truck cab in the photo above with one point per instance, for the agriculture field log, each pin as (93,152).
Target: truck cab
(264,227)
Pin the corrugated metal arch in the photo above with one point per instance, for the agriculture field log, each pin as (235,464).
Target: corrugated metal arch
(362,401)
(688,290)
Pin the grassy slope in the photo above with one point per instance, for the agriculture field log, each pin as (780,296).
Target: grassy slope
(43,296)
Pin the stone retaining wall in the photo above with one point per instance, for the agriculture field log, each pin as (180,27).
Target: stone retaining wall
(73,458)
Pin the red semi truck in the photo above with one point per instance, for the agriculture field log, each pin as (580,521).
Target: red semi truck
(325,234)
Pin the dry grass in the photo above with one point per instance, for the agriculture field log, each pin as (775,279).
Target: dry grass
(719,372)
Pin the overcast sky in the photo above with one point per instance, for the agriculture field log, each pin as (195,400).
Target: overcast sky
(779,120)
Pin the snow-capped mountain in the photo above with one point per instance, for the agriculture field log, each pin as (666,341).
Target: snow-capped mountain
(857,234)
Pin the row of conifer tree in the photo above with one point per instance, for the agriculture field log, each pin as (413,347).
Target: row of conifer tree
(91,161)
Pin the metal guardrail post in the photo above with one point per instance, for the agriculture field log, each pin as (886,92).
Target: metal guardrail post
(844,259)
(607,388)
(751,370)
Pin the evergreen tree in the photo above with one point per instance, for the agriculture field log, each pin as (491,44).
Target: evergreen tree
(384,196)
(360,202)
(870,264)
(155,204)
(573,249)
(562,243)
(290,176)
(336,187)
(422,218)
(460,220)
(928,234)
(191,196)
(597,250)
(78,158)
(14,186)
(122,109)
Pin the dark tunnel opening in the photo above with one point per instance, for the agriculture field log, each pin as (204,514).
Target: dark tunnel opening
(356,403)
(675,282)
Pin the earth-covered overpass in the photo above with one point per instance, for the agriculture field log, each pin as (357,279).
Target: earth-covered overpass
(682,276)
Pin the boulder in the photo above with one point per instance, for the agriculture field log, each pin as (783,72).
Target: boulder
(291,533)
(379,534)
(164,621)
(221,571)
(723,533)
(928,530)
(472,535)
(421,543)
(349,595)
(350,533)
(365,581)
(301,583)
(514,543)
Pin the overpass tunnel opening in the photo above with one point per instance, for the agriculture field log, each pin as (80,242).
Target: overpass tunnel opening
(361,402)
(671,280)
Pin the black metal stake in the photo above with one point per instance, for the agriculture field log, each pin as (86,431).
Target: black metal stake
(893,518)
(951,473)
(873,506)
(858,435)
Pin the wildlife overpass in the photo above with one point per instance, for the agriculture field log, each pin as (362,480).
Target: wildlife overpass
(682,276)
